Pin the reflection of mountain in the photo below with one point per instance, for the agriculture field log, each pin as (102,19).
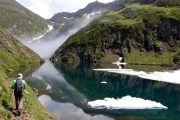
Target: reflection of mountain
(59,89)
(68,111)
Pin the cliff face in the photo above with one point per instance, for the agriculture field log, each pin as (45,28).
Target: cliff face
(143,34)
(20,21)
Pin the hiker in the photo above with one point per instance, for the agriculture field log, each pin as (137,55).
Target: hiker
(19,87)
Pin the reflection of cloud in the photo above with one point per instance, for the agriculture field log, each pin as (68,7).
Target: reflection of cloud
(46,8)
(68,111)
(126,102)
(169,76)
(38,77)
(55,80)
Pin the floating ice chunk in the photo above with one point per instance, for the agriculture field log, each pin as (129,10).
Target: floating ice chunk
(103,82)
(123,71)
(168,76)
(126,102)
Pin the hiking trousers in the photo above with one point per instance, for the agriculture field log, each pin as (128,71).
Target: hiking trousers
(19,101)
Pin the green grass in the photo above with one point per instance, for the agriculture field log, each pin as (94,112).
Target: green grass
(150,12)
(15,62)
(167,3)
(136,13)
(5,94)
(31,103)
(20,21)
(33,106)
(136,57)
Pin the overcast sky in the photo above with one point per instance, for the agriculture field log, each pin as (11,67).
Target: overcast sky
(47,8)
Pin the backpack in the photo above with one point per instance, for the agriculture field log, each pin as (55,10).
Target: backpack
(19,87)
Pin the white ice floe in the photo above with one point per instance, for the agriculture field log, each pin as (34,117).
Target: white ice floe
(168,76)
(123,71)
(171,76)
(50,27)
(103,82)
(126,102)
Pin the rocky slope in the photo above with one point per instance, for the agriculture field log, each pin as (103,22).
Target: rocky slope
(20,21)
(65,22)
(142,34)
(13,56)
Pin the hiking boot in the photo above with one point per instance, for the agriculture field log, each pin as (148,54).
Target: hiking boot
(19,112)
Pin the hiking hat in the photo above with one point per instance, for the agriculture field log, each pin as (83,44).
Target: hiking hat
(20,76)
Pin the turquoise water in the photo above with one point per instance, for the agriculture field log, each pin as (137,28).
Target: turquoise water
(66,91)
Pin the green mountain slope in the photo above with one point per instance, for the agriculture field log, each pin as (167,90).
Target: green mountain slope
(13,56)
(143,34)
(20,21)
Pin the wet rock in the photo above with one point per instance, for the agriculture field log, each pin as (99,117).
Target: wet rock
(35,90)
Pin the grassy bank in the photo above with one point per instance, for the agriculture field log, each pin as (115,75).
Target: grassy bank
(32,106)
(11,63)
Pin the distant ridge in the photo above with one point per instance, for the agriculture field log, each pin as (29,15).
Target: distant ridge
(19,21)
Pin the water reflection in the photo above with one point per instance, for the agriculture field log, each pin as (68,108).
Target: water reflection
(88,82)
(69,88)
(60,95)
(68,111)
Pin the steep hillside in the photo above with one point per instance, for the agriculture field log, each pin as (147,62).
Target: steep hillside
(20,21)
(13,56)
(143,34)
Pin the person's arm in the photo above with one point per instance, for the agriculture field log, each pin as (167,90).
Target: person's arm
(24,84)
(13,84)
